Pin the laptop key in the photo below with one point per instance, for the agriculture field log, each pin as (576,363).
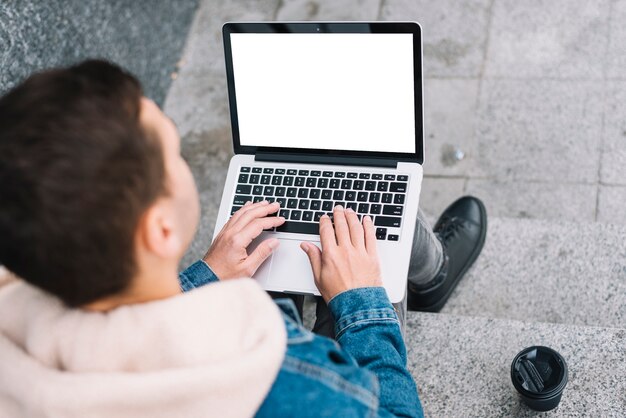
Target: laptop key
(391,221)
(351,205)
(234,209)
(303,204)
(398,187)
(268,170)
(307,216)
(256,169)
(377,176)
(292,192)
(243,189)
(310,182)
(374,197)
(299,228)
(327,174)
(265,179)
(327,194)
(327,206)
(284,213)
(381,233)
(241,200)
(322,183)
(254,179)
(387,198)
(243,178)
(287,181)
(292,172)
(358,184)
(257,199)
(296,215)
(316,204)
(382,186)
(399,199)
(392,210)
(303,172)
(352,175)
(363,208)
(316,173)
(350,196)
(315,193)
(299,181)
(280,171)
(245,169)
(393,237)
(303,193)
(403,178)
(375,209)
(390,177)
(334,184)
(340,174)
(257,190)
(277,180)
(318,216)
(338,195)
(361,197)
(282,202)
(370,185)
(346,184)
(268,191)
(280,191)
(292,203)
(364,176)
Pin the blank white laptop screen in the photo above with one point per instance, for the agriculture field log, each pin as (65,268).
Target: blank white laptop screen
(325,91)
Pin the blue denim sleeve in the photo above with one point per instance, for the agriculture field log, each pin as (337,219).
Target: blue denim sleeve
(196,275)
(367,327)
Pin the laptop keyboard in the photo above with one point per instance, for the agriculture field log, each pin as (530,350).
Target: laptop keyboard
(306,195)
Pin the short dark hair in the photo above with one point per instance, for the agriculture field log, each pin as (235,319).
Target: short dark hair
(77,172)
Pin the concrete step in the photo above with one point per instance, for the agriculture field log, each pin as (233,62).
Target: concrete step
(462,365)
(547,271)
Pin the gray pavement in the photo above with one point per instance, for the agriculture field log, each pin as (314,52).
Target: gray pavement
(145,37)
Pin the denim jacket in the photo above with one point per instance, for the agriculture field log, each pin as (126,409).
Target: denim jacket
(361,374)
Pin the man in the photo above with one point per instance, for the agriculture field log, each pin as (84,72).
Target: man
(98,208)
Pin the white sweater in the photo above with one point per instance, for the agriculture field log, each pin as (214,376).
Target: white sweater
(212,352)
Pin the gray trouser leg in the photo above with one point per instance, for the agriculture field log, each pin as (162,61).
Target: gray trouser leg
(426,254)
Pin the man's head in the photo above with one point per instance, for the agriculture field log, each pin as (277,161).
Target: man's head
(93,190)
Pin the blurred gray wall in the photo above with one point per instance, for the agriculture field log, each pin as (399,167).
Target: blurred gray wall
(144,36)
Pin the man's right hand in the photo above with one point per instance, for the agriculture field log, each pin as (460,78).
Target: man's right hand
(348,258)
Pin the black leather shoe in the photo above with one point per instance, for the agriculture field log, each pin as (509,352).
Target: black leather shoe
(461,229)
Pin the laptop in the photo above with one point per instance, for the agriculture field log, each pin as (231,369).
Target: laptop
(326,114)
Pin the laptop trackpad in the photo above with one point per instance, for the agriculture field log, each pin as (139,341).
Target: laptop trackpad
(290,268)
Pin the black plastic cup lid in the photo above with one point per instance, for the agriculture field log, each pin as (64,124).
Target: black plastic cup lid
(539,372)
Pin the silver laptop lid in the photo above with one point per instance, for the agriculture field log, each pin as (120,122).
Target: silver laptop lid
(346,89)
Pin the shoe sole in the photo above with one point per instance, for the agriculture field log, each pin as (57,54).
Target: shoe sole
(437,306)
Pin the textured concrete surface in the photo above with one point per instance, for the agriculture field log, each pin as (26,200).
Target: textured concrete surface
(145,37)
(328,10)
(613,162)
(544,131)
(612,204)
(462,366)
(537,200)
(547,271)
(454,33)
(616,55)
(548,38)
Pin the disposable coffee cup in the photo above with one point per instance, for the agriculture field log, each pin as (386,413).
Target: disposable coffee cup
(539,374)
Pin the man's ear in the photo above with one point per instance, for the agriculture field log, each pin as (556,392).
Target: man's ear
(157,231)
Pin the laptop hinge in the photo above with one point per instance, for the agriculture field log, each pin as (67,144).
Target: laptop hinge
(327,159)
